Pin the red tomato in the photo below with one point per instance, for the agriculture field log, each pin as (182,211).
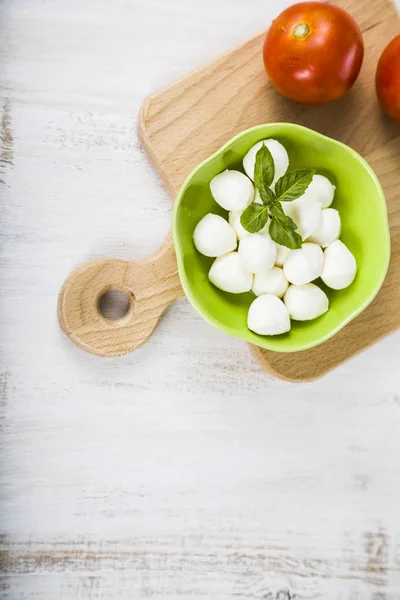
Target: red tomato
(313,52)
(388,79)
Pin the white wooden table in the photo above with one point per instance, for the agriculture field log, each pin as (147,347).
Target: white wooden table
(182,471)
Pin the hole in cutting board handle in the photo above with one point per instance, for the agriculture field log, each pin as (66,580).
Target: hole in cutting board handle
(120,322)
(114,305)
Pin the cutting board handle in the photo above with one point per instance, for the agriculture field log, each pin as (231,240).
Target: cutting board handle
(151,285)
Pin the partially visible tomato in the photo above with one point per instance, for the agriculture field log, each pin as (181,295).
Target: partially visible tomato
(388,79)
(313,52)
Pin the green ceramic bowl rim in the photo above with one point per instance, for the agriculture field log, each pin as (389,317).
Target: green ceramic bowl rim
(182,275)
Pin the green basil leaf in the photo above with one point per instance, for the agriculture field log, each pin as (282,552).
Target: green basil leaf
(254,217)
(293,184)
(285,237)
(276,210)
(282,228)
(264,170)
(267,195)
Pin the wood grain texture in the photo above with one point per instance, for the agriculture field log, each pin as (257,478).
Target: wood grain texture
(182,470)
(151,286)
(183,124)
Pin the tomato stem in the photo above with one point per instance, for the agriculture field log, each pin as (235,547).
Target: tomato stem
(301,31)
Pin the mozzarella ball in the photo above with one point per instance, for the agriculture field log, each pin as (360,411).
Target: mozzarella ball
(214,236)
(306,302)
(322,190)
(304,265)
(257,252)
(340,266)
(329,228)
(227,274)
(268,316)
(281,255)
(279,156)
(234,222)
(305,212)
(270,282)
(232,190)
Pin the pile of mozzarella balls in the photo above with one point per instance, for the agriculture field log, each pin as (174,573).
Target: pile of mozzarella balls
(280,278)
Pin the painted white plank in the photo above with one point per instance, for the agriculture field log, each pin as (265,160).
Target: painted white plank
(182,470)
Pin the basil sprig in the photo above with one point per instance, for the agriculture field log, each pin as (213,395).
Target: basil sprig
(289,187)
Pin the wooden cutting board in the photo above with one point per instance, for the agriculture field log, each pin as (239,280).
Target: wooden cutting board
(189,120)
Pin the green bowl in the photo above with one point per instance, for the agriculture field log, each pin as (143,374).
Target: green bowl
(359,198)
